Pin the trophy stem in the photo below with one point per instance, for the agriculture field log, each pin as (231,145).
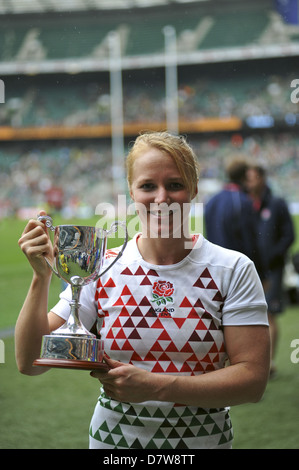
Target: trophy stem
(73,325)
(74,320)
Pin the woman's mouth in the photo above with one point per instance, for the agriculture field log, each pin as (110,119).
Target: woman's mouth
(160,213)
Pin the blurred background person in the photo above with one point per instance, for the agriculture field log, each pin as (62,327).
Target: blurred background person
(229,216)
(275,236)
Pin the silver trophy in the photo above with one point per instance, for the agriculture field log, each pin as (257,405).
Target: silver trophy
(78,254)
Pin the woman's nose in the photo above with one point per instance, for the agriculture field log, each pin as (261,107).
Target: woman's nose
(162,196)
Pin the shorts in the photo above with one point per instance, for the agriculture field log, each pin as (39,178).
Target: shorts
(273,292)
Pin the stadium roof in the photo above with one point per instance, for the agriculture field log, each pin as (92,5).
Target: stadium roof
(77,41)
(42,6)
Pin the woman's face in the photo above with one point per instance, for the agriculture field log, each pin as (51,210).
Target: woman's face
(160,195)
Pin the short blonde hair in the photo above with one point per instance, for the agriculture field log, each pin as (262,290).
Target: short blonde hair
(175,146)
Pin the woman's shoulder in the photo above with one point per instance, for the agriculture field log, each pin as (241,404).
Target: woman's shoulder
(216,255)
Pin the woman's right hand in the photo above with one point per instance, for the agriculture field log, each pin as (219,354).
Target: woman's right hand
(36,244)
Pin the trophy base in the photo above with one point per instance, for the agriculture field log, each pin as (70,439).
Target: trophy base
(71,352)
(70,364)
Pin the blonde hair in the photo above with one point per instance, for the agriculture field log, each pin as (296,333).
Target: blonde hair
(175,146)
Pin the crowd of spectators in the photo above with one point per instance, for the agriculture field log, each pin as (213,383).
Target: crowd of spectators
(73,103)
(65,178)
(243,97)
(73,178)
(277,152)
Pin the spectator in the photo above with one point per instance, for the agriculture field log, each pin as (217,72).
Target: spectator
(275,236)
(229,215)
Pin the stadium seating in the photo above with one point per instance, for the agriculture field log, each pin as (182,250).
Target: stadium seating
(64,36)
(208,88)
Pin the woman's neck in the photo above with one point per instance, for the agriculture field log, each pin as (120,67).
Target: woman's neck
(164,251)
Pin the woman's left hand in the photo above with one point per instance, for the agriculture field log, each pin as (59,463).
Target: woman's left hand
(125,382)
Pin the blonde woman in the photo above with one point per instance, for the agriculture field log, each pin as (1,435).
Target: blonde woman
(173,312)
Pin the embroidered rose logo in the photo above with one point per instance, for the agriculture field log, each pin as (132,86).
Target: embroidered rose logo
(162,292)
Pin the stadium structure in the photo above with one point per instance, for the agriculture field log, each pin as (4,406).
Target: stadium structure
(80,79)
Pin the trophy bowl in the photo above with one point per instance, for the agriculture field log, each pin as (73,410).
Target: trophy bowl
(79,253)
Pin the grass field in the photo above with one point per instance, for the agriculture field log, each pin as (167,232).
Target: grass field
(53,411)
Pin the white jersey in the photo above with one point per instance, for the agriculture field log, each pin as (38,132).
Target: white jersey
(168,319)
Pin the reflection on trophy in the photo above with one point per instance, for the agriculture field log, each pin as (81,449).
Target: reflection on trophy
(79,254)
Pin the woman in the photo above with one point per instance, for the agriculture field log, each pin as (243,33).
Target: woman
(171,312)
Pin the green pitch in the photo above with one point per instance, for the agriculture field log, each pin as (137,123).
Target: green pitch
(52,411)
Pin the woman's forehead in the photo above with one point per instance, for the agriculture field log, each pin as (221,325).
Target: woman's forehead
(153,160)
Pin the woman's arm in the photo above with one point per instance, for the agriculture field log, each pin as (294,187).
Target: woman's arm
(243,381)
(33,321)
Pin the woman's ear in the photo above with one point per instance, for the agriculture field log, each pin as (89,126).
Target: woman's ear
(196,192)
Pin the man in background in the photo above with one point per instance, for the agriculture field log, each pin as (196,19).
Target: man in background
(275,236)
(229,216)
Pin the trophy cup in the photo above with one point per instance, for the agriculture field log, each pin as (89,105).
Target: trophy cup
(78,254)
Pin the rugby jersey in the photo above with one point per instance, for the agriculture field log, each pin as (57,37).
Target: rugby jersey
(168,319)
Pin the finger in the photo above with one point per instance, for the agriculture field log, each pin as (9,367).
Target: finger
(43,222)
(36,237)
(32,224)
(35,222)
(101,375)
(109,391)
(112,363)
(36,243)
(35,252)
(35,232)
(42,212)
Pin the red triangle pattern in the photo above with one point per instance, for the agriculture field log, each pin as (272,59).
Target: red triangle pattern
(189,342)
(140,272)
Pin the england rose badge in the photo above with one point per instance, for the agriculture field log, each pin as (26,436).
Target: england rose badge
(162,292)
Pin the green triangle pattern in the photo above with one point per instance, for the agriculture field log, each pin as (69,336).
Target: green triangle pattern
(156,427)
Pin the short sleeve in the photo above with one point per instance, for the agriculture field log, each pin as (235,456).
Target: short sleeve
(245,303)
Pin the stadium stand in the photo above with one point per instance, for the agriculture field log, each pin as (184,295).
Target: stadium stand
(236,62)
(58,37)
(85,100)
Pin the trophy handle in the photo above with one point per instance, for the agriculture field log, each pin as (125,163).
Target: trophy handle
(113,229)
(48,223)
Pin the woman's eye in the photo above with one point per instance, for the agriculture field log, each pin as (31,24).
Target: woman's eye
(176,186)
(173,186)
(147,186)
